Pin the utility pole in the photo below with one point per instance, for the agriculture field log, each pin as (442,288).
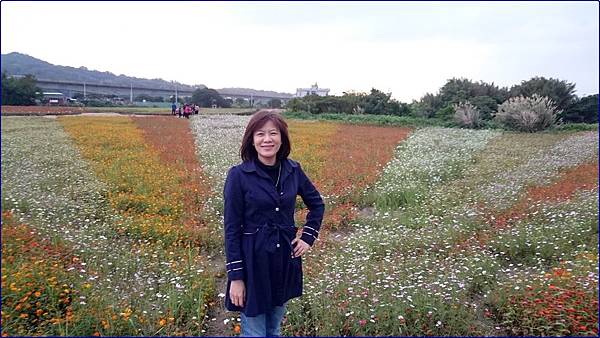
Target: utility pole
(84,90)
(131,93)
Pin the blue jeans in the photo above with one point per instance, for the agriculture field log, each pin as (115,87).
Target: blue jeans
(264,325)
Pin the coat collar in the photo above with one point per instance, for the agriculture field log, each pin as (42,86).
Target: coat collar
(250,166)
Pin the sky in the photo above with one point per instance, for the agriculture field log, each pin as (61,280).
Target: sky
(407,49)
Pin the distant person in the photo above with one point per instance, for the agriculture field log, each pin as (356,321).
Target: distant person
(173,108)
(196,109)
(187,111)
(179,112)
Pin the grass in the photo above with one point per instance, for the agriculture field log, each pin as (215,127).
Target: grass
(385,120)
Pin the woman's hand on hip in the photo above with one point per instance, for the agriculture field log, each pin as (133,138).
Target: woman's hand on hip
(301,247)
(237,292)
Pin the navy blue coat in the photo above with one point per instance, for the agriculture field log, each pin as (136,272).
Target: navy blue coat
(259,228)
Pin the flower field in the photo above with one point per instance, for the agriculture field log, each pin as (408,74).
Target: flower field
(113,226)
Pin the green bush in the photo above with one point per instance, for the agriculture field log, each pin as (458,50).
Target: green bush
(19,91)
(375,103)
(585,110)
(576,127)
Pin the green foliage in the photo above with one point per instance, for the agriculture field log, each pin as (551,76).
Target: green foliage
(427,106)
(446,113)
(179,99)
(376,103)
(529,114)
(561,92)
(241,103)
(19,91)
(97,103)
(274,103)
(149,98)
(384,120)
(380,103)
(486,105)
(576,127)
(323,104)
(484,96)
(459,90)
(206,97)
(584,110)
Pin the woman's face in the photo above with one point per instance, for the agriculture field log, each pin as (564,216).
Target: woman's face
(267,141)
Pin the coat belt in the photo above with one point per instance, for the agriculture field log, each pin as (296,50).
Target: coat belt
(269,235)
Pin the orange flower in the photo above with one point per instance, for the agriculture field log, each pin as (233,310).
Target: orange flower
(237,329)
(162,322)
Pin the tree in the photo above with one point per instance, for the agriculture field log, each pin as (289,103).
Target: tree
(20,92)
(583,110)
(241,103)
(376,102)
(562,93)
(380,103)
(486,105)
(427,106)
(297,104)
(172,99)
(206,97)
(458,90)
(274,103)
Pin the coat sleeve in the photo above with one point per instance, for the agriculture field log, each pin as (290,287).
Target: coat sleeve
(316,208)
(233,219)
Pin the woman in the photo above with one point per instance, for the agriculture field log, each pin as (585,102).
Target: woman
(264,267)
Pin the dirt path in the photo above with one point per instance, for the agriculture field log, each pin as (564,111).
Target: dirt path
(220,322)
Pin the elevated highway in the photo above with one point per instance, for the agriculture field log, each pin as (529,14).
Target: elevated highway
(70,88)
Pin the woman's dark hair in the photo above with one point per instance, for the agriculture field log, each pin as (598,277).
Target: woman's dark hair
(247,150)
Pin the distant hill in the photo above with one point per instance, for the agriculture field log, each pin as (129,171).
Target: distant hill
(22,64)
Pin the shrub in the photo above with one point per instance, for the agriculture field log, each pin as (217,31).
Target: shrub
(528,114)
(486,105)
(467,115)
(445,113)
(19,91)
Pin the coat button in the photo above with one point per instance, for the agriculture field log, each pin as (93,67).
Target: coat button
(278,245)
(276,209)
